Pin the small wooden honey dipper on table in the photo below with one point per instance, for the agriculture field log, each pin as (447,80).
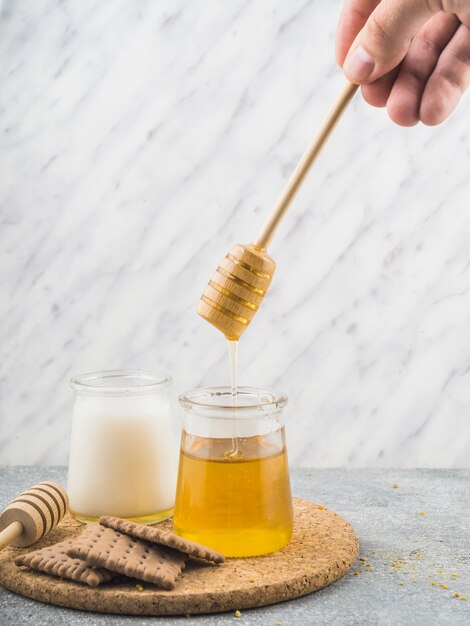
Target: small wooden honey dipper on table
(32,515)
(241,281)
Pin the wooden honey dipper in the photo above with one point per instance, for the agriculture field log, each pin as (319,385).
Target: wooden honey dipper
(239,285)
(32,515)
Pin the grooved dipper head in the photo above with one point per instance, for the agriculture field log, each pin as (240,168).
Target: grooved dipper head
(236,290)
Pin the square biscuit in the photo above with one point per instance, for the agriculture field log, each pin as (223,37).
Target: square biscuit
(163,538)
(106,548)
(55,561)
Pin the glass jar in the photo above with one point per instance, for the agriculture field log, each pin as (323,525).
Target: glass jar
(122,454)
(233,491)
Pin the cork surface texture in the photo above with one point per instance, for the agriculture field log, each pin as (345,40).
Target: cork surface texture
(323,548)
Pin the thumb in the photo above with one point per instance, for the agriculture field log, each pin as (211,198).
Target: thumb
(384,41)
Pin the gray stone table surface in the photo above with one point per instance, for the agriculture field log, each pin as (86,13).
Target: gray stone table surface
(413,526)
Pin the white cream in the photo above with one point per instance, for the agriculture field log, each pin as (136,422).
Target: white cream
(123,459)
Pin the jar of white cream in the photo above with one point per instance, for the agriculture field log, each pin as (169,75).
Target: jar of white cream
(123,460)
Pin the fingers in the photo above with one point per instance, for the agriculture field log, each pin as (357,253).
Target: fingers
(385,39)
(449,80)
(412,56)
(459,7)
(378,92)
(404,101)
(353,17)
(465,17)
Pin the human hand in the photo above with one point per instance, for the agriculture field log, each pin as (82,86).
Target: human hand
(412,56)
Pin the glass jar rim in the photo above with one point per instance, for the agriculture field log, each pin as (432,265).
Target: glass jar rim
(120,382)
(274,401)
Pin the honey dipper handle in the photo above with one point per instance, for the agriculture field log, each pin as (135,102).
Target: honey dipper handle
(304,166)
(11,532)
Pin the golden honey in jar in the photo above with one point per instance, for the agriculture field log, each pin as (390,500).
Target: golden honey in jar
(233,490)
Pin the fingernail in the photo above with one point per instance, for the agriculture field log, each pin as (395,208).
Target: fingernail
(359,65)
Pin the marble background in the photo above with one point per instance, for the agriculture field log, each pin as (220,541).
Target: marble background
(139,140)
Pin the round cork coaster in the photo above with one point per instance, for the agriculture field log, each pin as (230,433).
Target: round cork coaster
(323,547)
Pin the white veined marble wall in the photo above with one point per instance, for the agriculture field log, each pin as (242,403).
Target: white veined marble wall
(139,140)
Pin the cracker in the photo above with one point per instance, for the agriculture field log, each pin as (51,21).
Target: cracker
(163,537)
(104,547)
(54,560)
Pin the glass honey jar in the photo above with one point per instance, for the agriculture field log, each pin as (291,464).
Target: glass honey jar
(233,490)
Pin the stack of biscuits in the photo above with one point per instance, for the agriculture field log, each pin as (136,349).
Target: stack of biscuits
(115,547)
